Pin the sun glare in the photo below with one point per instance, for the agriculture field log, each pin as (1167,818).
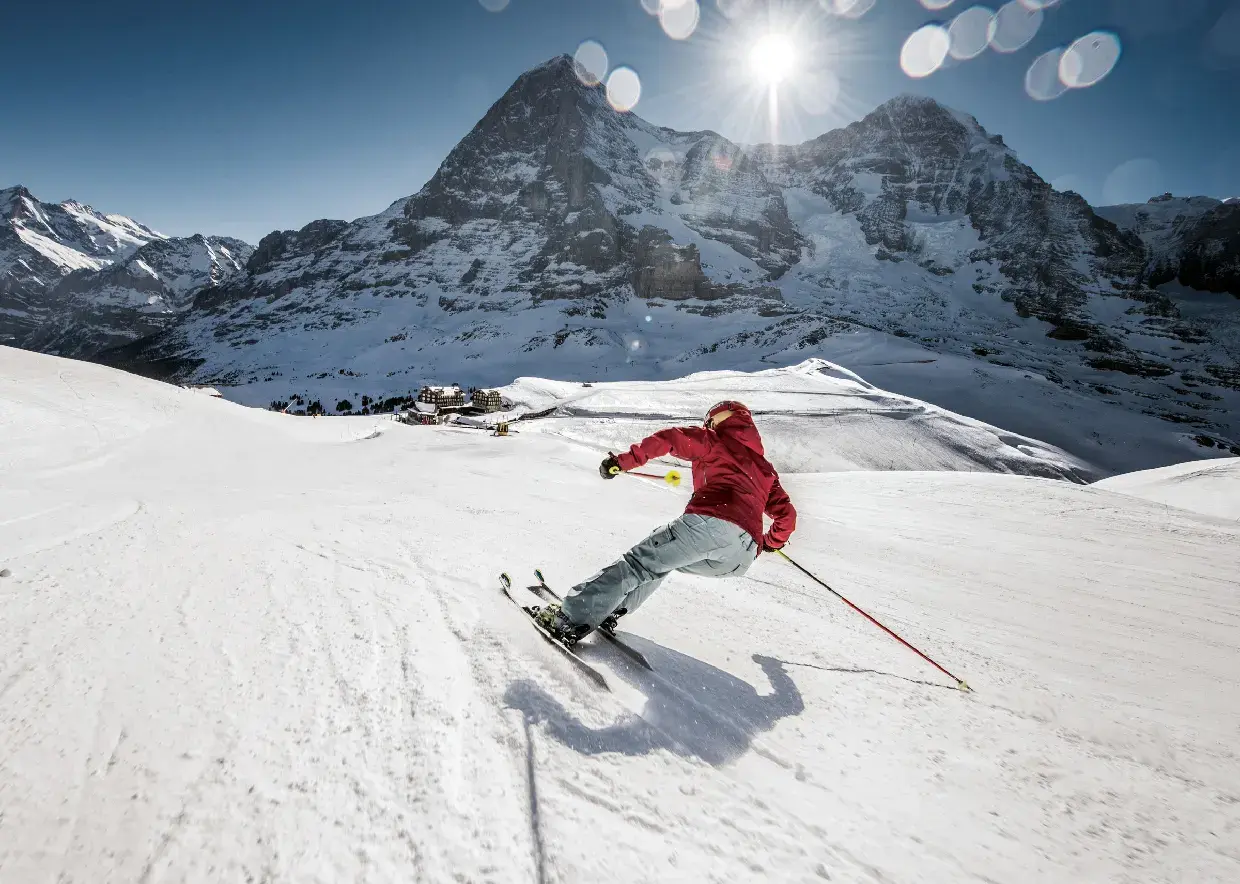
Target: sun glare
(773,59)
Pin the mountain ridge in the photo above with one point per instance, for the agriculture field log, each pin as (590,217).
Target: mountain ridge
(1194,241)
(562,233)
(75,281)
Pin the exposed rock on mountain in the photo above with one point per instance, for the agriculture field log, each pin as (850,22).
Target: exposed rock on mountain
(139,296)
(914,168)
(1210,258)
(1194,241)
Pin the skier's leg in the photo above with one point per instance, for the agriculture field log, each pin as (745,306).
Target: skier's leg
(738,550)
(637,597)
(683,542)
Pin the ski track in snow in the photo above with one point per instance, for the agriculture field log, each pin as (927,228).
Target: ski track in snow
(244,646)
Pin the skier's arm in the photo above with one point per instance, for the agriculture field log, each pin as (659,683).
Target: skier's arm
(687,443)
(779,507)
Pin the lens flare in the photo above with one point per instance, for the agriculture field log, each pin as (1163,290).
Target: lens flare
(1133,182)
(679,18)
(970,32)
(925,51)
(733,8)
(937,4)
(1088,60)
(848,8)
(1222,44)
(1013,26)
(817,93)
(494,5)
(590,62)
(624,89)
(1042,81)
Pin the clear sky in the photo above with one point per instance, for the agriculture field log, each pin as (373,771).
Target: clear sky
(238,118)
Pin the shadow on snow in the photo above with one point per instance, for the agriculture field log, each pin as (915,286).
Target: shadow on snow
(692,708)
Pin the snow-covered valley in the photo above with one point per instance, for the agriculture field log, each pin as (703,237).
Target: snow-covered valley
(240,645)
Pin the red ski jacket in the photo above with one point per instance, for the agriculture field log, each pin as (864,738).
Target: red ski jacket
(732,479)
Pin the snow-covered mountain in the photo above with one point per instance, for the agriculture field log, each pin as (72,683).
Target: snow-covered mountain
(74,281)
(563,237)
(42,242)
(140,295)
(1194,241)
(247,646)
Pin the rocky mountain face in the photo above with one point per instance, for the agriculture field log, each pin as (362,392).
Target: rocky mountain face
(74,281)
(562,237)
(1194,241)
(42,242)
(928,184)
(142,295)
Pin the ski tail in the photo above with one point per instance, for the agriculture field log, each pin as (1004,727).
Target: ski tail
(619,644)
(531,611)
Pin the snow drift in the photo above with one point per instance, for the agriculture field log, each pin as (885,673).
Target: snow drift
(242,645)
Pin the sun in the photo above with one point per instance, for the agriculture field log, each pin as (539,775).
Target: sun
(773,58)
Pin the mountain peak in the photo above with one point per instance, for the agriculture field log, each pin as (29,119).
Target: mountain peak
(17,190)
(560,71)
(919,110)
(10,196)
(908,99)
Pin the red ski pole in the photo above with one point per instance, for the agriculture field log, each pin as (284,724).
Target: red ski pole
(960,682)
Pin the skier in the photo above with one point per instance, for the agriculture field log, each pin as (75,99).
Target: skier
(719,535)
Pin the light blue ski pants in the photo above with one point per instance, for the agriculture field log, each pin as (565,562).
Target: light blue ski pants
(701,545)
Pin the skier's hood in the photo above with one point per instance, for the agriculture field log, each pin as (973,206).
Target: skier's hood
(739,428)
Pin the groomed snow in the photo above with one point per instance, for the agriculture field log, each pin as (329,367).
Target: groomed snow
(1211,488)
(243,646)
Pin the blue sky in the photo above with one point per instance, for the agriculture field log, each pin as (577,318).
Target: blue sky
(238,117)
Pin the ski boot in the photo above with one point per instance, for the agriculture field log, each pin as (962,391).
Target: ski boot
(552,619)
(611,621)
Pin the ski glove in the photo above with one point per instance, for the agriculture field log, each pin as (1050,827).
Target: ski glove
(609,468)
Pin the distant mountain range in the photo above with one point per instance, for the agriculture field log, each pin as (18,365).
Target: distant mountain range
(74,282)
(1194,241)
(563,238)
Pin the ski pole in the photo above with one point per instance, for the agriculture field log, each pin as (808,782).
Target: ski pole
(960,682)
(672,477)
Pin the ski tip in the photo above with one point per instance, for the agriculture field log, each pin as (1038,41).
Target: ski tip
(506,580)
(539,575)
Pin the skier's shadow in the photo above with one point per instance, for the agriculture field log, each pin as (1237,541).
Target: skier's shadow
(692,708)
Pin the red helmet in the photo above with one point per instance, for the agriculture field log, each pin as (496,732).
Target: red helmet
(726,405)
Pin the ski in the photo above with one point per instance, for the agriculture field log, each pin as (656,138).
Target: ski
(531,611)
(616,641)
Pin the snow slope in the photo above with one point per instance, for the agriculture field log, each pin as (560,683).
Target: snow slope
(816,417)
(242,645)
(1211,488)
